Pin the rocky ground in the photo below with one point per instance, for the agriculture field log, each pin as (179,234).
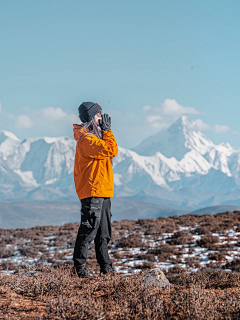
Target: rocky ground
(200,256)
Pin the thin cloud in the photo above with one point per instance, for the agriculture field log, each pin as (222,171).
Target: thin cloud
(153,118)
(146,108)
(0,106)
(202,126)
(24,122)
(52,119)
(160,117)
(221,128)
(53,114)
(172,107)
(157,122)
(159,125)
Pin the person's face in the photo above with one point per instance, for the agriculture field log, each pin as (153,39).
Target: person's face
(97,117)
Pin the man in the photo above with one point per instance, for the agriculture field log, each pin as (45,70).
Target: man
(93,176)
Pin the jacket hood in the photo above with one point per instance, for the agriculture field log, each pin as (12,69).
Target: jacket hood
(77,130)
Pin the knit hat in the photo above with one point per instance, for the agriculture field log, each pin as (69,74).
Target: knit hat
(87,110)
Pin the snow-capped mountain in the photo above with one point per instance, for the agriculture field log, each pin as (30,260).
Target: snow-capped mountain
(180,138)
(28,167)
(178,167)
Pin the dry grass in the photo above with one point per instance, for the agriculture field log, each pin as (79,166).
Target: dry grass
(55,292)
(59,294)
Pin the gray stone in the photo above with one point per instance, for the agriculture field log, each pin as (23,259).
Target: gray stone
(156,278)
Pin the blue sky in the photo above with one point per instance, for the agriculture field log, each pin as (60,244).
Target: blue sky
(144,62)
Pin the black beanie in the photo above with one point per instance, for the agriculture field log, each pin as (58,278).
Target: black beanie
(87,110)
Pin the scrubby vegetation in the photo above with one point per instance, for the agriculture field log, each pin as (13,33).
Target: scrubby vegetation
(58,294)
(200,256)
(189,241)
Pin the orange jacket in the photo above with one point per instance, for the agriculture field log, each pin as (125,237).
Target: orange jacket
(93,174)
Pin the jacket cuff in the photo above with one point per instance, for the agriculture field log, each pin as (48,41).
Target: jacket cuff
(106,131)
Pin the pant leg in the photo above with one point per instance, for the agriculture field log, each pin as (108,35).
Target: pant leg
(90,220)
(104,234)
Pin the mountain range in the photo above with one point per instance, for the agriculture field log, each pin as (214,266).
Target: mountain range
(179,168)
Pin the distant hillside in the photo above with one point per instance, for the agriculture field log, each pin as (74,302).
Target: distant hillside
(31,214)
(215,209)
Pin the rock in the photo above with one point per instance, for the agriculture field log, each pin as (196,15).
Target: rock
(157,279)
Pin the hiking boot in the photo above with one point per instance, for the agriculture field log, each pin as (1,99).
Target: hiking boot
(82,272)
(107,269)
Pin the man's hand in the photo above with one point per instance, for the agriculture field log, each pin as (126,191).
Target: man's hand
(105,122)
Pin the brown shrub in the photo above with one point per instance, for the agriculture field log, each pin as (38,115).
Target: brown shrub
(60,243)
(180,237)
(163,252)
(6,252)
(208,280)
(227,246)
(148,256)
(218,256)
(190,261)
(233,265)
(187,220)
(207,240)
(28,250)
(131,241)
(201,230)
(38,240)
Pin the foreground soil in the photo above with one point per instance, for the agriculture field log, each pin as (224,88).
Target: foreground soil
(57,293)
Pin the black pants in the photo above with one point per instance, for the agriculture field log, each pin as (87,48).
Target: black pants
(95,225)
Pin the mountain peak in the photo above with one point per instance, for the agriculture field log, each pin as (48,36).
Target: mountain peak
(183,120)
(183,123)
(181,137)
(9,134)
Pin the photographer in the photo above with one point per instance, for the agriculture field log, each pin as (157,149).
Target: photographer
(93,176)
